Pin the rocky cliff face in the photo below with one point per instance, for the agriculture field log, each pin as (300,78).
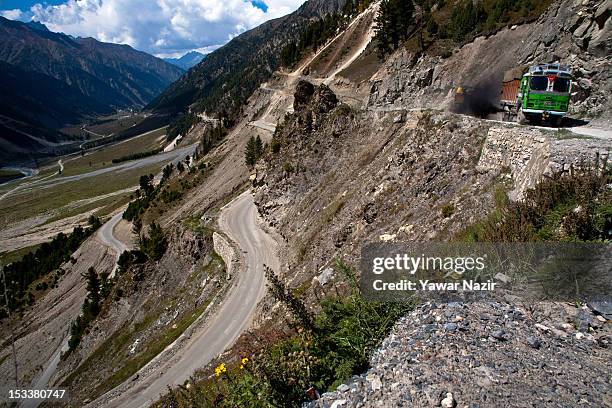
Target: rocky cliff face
(344,177)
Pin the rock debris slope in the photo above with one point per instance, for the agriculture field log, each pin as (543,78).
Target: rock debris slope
(485,355)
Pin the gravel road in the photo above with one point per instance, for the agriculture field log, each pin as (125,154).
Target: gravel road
(239,220)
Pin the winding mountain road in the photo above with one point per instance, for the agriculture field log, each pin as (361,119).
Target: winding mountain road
(106,236)
(270,127)
(239,221)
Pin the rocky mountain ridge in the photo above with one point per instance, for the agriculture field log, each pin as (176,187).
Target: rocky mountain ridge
(228,76)
(187,61)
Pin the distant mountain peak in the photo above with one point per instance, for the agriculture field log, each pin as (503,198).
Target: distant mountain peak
(191,59)
(36,25)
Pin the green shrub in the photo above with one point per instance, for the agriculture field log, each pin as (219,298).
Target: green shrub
(154,245)
(275,145)
(448,210)
(574,207)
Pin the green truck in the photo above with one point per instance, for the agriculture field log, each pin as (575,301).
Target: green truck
(539,94)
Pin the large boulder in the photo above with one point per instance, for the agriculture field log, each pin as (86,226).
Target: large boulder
(601,40)
(303,93)
(324,99)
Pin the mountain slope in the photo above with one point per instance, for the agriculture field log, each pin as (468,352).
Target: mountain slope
(91,76)
(189,60)
(229,75)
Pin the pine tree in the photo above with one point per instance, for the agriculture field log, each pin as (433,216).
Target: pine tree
(146,185)
(281,293)
(259,148)
(393,24)
(91,307)
(154,246)
(251,152)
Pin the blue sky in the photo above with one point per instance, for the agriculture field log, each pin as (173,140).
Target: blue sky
(25,4)
(260,5)
(167,28)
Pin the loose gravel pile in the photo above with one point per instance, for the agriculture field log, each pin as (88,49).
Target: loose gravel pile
(487,354)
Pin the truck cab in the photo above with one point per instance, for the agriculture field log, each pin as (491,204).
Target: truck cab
(544,93)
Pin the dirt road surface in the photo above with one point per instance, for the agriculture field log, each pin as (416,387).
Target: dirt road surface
(240,221)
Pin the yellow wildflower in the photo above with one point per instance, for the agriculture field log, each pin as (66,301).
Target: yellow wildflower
(243,361)
(220,369)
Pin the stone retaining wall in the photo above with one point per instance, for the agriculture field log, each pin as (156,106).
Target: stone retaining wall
(226,252)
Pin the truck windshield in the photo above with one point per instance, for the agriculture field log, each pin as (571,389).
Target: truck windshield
(538,83)
(561,85)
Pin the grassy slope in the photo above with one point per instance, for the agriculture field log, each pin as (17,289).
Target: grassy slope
(30,203)
(112,353)
(104,156)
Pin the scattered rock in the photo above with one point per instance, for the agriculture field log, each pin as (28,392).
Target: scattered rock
(374,381)
(422,366)
(499,335)
(387,237)
(502,278)
(602,307)
(534,342)
(325,276)
(448,402)
(343,388)
(542,327)
(338,403)
(450,326)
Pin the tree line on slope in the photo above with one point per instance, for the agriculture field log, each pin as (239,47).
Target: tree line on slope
(428,21)
(136,156)
(98,288)
(153,245)
(318,32)
(40,263)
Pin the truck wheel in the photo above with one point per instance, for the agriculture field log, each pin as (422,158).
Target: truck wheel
(520,117)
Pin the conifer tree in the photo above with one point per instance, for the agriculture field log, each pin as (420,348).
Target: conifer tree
(393,24)
(259,148)
(251,152)
(154,246)
(91,307)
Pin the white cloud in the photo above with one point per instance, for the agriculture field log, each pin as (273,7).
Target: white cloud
(160,27)
(14,14)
